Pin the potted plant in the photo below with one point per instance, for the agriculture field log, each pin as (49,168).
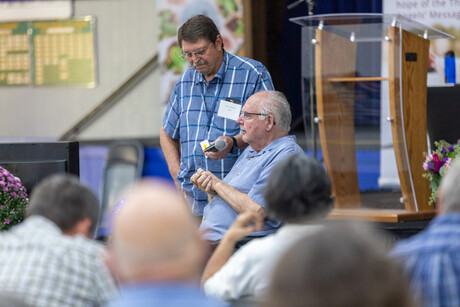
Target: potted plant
(13,199)
(437,164)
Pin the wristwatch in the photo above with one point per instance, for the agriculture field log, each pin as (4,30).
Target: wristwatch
(235,144)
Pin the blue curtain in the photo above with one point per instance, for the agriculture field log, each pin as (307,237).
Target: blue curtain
(289,52)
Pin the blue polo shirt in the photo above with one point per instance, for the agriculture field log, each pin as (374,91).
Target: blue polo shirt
(191,116)
(249,175)
(152,293)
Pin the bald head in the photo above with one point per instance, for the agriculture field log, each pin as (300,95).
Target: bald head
(155,236)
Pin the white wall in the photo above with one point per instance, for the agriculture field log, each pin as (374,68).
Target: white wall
(126,38)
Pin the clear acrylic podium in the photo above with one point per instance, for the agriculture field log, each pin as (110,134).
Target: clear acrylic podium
(346,55)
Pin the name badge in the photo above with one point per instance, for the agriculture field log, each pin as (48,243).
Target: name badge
(229,109)
(204,144)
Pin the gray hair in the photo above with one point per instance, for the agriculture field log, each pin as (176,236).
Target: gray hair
(450,189)
(309,187)
(63,199)
(276,104)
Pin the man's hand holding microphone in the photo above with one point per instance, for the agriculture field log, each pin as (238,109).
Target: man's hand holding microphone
(219,149)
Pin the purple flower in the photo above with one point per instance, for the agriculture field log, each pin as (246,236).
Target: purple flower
(451,148)
(443,150)
(12,212)
(7,221)
(445,159)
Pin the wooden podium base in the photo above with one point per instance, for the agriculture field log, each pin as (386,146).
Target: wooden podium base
(380,215)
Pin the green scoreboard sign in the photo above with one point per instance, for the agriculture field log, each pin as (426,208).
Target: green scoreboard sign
(14,54)
(48,53)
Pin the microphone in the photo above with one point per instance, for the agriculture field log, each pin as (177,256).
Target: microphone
(218,145)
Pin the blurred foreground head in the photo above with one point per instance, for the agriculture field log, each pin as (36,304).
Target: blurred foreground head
(449,197)
(345,264)
(155,237)
(67,202)
(298,190)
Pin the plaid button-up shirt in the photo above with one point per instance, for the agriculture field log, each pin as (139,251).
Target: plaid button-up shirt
(432,261)
(46,268)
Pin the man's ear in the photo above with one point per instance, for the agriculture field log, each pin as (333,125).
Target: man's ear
(270,120)
(439,202)
(82,227)
(219,42)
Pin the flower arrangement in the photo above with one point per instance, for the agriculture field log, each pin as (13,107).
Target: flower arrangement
(13,199)
(437,165)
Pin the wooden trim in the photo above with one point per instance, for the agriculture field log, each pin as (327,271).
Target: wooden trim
(358,79)
(381,215)
(408,113)
(248,48)
(335,107)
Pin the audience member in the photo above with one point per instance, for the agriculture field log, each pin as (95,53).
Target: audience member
(298,193)
(49,258)
(345,264)
(156,249)
(432,257)
(265,122)
(216,82)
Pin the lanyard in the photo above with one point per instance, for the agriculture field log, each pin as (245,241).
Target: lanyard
(214,103)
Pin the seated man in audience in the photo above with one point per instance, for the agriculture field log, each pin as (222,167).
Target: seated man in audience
(156,249)
(432,257)
(345,264)
(265,122)
(299,194)
(49,258)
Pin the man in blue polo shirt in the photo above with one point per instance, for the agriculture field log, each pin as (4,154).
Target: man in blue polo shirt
(205,104)
(265,122)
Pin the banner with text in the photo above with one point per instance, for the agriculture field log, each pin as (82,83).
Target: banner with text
(443,15)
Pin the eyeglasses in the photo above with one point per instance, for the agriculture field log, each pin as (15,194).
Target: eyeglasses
(247,114)
(199,51)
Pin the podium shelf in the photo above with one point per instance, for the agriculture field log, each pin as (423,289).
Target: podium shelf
(357,79)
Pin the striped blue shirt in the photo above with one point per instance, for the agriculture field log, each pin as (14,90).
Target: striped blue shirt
(191,116)
(432,261)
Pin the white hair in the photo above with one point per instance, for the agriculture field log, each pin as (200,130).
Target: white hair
(276,104)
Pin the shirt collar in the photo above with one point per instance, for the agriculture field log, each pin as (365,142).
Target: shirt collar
(42,223)
(220,73)
(270,146)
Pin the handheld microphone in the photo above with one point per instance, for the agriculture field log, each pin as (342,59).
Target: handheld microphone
(218,145)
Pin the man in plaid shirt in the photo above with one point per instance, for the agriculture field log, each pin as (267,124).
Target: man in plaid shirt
(432,258)
(48,259)
(218,81)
